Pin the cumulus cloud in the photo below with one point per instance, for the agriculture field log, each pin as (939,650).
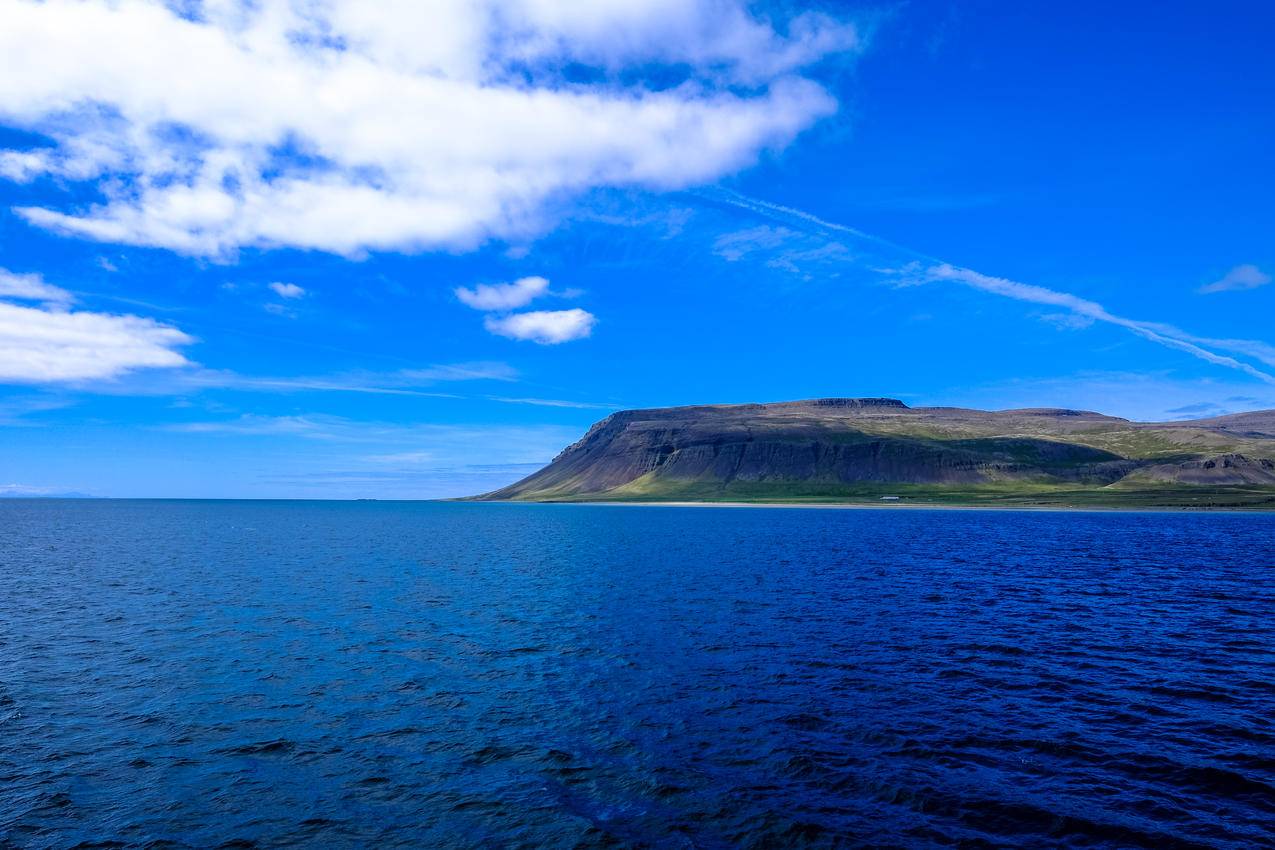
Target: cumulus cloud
(547,327)
(503,296)
(31,287)
(1247,276)
(344,126)
(287,290)
(41,345)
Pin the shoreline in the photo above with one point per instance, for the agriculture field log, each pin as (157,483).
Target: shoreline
(891,506)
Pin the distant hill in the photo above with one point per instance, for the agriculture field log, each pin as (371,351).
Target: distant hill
(864,449)
(11,491)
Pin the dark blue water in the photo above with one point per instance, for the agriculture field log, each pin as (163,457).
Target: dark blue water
(461,675)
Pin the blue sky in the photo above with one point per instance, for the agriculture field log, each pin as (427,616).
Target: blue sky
(353,250)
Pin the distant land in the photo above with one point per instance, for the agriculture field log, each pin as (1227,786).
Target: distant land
(875,450)
(13,491)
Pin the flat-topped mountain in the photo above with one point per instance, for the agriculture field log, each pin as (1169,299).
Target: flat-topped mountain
(839,449)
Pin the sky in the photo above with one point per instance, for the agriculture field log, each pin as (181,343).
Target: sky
(412,249)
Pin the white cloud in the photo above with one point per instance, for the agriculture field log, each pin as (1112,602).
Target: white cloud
(1247,276)
(767,240)
(923,269)
(556,402)
(1067,321)
(1084,309)
(499,443)
(18,491)
(312,427)
(503,296)
(733,247)
(56,346)
(287,290)
(31,287)
(420,382)
(345,126)
(547,327)
(325,456)
(52,344)
(405,382)
(16,410)
(475,371)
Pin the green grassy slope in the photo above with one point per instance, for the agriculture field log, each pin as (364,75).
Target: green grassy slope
(858,451)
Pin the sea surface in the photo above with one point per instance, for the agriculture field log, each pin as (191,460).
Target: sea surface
(369,674)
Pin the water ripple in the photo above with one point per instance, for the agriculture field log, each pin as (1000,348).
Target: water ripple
(186,674)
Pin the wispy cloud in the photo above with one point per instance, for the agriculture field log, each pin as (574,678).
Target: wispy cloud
(370,385)
(408,482)
(319,428)
(733,247)
(403,382)
(556,402)
(421,382)
(15,411)
(475,371)
(780,247)
(32,287)
(919,268)
(279,310)
(399,443)
(1246,276)
(338,428)
(1163,334)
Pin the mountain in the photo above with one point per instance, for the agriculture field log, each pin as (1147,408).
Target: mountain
(864,449)
(18,491)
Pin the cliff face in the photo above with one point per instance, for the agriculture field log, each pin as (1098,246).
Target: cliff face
(843,445)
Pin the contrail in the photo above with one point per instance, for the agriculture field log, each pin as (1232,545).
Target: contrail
(802,220)
(926,268)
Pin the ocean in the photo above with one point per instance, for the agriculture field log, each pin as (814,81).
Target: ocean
(382,674)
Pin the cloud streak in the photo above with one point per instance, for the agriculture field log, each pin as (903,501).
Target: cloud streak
(555,402)
(1247,276)
(920,268)
(401,382)
(32,287)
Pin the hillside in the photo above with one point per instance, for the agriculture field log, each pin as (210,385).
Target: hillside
(844,449)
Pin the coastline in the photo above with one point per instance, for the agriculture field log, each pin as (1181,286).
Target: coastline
(906,506)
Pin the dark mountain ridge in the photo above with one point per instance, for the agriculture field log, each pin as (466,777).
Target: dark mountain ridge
(833,449)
